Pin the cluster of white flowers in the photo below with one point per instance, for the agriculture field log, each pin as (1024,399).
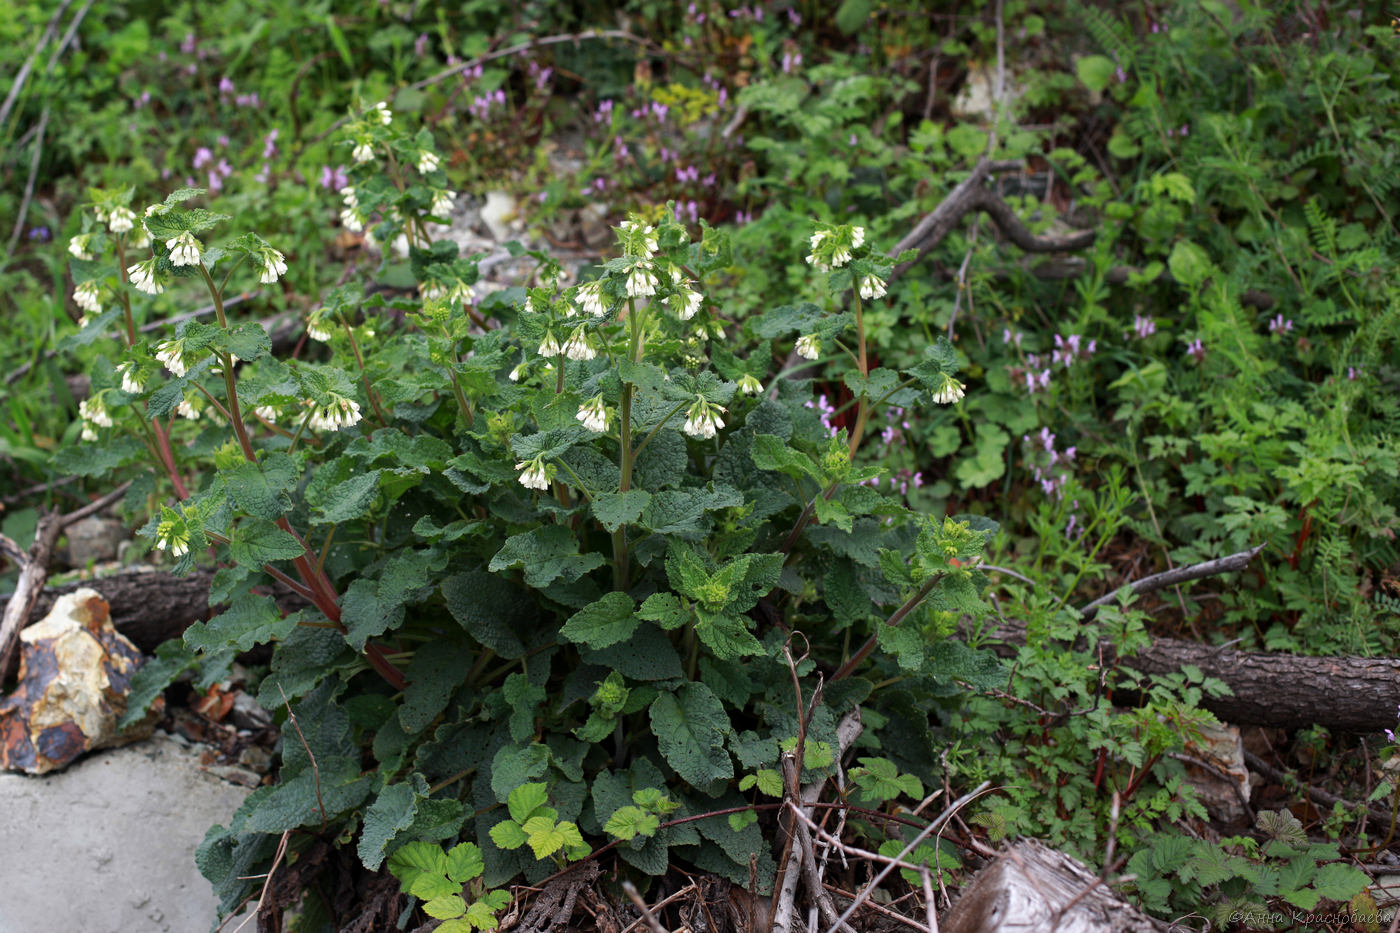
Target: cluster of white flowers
(274,264)
(809,346)
(830,249)
(266,413)
(121,219)
(95,410)
(871,287)
(171,354)
(641,280)
(578,347)
(685,302)
(173,536)
(187,409)
(350,217)
(518,371)
(80,246)
(443,201)
(184,250)
(338,413)
(132,380)
(594,415)
(382,113)
(143,277)
(589,297)
(951,391)
(637,240)
(749,385)
(703,419)
(318,325)
(549,346)
(427,161)
(533,475)
(88,297)
(363,151)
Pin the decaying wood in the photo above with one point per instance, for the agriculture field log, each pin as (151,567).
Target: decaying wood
(1351,694)
(148,607)
(1034,889)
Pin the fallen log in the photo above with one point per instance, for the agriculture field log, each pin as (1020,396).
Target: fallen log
(1350,694)
(148,607)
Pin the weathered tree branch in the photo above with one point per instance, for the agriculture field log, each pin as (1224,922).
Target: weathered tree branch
(34,570)
(1159,581)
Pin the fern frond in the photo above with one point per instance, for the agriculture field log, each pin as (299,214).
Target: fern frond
(1110,34)
(1321,228)
(1320,148)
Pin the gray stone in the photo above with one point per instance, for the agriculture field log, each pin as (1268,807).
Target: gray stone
(107,846)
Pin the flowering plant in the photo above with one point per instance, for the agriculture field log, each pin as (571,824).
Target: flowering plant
(566,537)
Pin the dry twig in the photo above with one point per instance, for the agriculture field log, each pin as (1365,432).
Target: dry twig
(34,570)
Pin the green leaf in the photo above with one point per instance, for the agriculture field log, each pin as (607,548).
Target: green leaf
(544,836)
(524,699)
(464,862)
(852,14)
(391,812)
(482,913)
(615,509)
(647,655)
(1340,882)
(250,620)
(417,860)
(492,610)
(262,489)
(445,907)
(603,623)
(774,453)
(547,554)
(92,459)
(257,541)
(526,799)
(904,641)
(665,610)
(1095,71)
(172,658)
(513,766)
(680,511)
(508,835)
(1189,263)
(248,341)
(630,822)
(726,634)
(690,728)
(346,501)
(433,675)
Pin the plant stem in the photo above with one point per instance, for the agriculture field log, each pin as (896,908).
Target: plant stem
(364,377)
(863,361)
(909,606)
(628,455)
(319,586)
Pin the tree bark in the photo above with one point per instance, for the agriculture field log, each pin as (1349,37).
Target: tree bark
(147,607)
(1351,694)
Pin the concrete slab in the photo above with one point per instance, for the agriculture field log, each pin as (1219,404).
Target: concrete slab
(107,846)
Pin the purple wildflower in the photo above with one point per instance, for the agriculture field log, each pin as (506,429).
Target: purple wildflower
(1279,325)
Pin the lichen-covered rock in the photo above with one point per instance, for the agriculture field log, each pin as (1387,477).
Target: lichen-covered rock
(74,678)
